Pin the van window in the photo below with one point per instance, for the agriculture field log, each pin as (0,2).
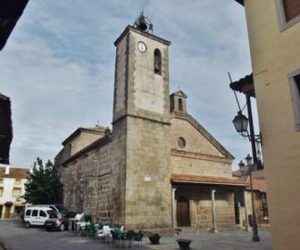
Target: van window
(42,213)
(57,207)
(28,212)
(34,212)
(52,214)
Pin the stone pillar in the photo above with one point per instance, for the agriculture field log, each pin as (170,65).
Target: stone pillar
(174,211)
(213,212)
(247,226)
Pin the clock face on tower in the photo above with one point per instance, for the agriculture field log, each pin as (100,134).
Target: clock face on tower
(142,46)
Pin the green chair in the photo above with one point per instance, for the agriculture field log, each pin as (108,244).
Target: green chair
(138,238)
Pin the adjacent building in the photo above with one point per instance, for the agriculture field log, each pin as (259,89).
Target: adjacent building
(243,201)
(274,37)
(10,12)
(6,133)
(158,168)
(12,182)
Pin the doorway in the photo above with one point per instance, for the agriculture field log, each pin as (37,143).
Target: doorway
(183,212)
(7,211)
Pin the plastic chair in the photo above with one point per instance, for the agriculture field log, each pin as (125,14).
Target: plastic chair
(116,237)
(105,233)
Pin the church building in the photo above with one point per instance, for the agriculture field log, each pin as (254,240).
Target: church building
(158,168)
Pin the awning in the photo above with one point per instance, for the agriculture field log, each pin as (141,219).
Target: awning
(244,85)
(10,12)
(240,2)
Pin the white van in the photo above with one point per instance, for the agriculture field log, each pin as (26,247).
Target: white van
(56,207)
(36,216)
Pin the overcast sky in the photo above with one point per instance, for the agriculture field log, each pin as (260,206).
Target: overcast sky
(58,67)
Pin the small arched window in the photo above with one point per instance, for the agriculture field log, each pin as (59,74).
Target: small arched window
(180,108)
(157,61)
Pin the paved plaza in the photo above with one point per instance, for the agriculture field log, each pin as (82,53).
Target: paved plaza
(15,237)
(231,240)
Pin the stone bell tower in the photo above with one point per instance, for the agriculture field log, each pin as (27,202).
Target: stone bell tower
(141,125)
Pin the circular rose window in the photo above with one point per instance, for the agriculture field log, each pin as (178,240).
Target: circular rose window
(181,142)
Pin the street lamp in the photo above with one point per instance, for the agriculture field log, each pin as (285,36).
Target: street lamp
(246,86)
(240,123)
(248,159)
(242,167)
(247,170)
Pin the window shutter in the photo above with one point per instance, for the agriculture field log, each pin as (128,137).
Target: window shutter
(291,9)
(297,90)
(295,94)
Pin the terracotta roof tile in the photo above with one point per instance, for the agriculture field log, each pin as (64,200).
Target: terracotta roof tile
(258,184)
(19,173)
(184,178)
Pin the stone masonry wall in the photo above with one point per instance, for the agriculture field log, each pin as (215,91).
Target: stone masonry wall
(119,159)
(194,166)
(148,93)
(195,141)
(82,140)
(148,188)
(88,184)
(199,156)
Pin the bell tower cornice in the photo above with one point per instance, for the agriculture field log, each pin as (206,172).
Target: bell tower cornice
(146,34)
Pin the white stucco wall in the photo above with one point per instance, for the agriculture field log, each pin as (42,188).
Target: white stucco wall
(7,196)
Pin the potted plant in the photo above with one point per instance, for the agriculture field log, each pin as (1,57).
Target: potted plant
(154,238)
(184,244)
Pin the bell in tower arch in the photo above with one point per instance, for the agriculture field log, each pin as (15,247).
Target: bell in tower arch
(143,23)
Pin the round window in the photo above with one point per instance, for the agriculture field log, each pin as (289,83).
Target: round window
(181,142)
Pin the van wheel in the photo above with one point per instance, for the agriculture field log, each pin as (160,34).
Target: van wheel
(27,224)
(62,227)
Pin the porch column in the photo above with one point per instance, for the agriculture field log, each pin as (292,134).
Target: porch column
(213,211)
(174,211)
(247,226)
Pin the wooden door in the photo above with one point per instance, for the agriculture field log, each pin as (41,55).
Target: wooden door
(237,202)
(183,212)
(6,211)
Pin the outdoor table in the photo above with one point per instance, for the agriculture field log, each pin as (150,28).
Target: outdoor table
(72,224)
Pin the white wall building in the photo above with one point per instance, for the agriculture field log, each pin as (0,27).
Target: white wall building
(12,187)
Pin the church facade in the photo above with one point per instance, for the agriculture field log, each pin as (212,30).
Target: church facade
(158,167)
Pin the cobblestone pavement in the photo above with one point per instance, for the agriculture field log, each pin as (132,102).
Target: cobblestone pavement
(15,237)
